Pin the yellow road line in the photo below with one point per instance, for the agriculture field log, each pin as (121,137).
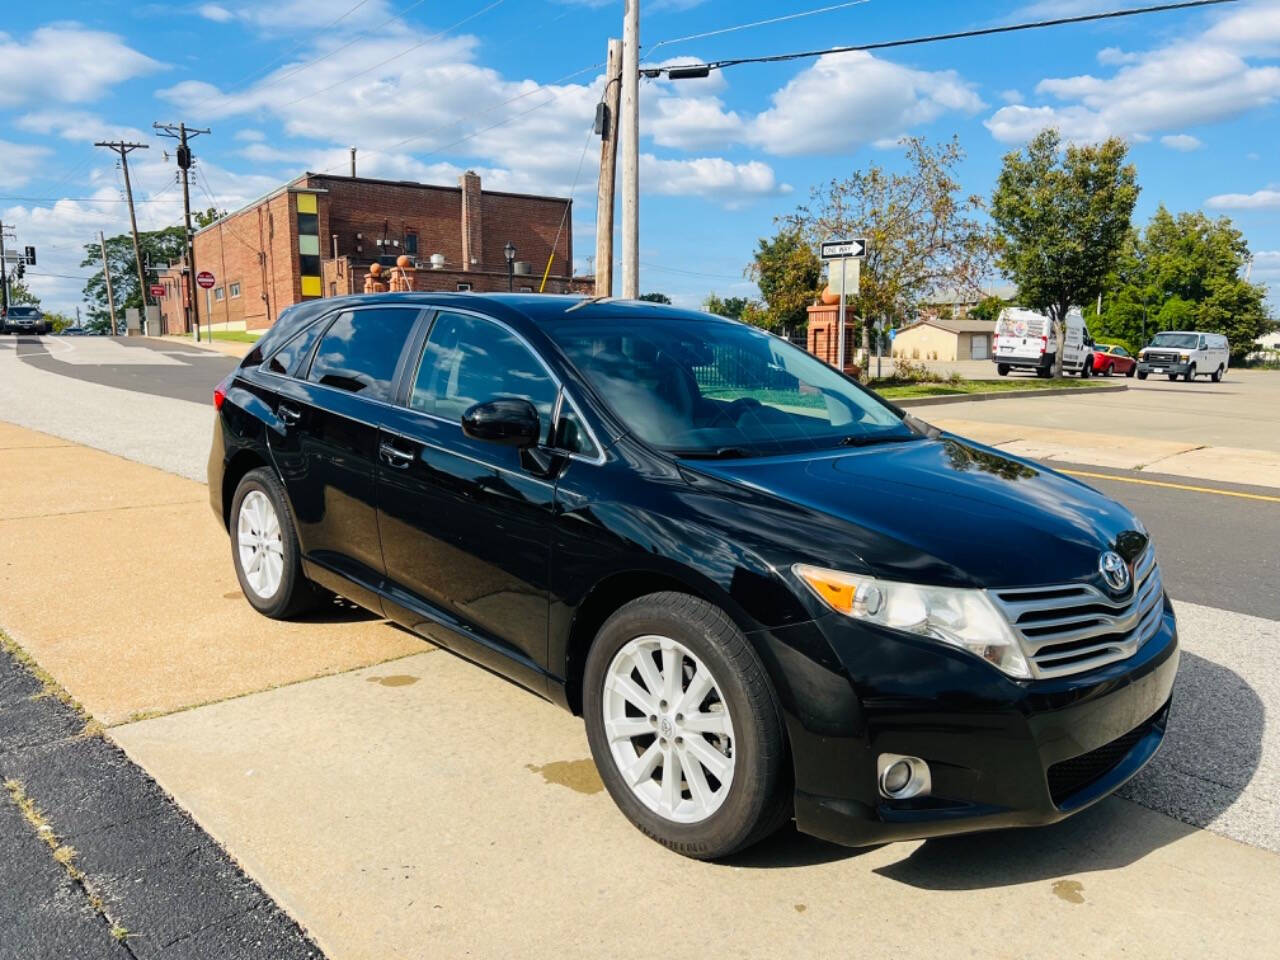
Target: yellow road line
(1175,486)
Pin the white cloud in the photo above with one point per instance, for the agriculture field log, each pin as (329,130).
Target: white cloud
(846,100)
(216,13)
(19,162)
(79,125)
(712,178)
(1187,82)
(1258,200)
(250,135)
(691,122)
(1011,96)
(1182,142)
(66,63)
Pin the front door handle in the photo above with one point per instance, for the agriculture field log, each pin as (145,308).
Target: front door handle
(393,456)
(289,413)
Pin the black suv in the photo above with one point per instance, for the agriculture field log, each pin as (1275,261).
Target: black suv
(768,592)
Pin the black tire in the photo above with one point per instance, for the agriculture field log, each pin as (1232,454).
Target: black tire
(1142,376)
(1173,377)
(759,797)
(295,593)
(1044,373)
(1002,369)
(1190,374)
(1217,374)
(1108,370)
(1086,368)
(1130,372)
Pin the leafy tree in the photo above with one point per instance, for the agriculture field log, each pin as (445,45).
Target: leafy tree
(922,234)
(988,308)
(1062,217)
(162,246)
(19,292)
(1184,272)
(58,321)
(203,218)
(655,297)
(788,273)
(732,307)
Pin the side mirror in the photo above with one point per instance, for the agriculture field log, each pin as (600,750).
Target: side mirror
(509,421)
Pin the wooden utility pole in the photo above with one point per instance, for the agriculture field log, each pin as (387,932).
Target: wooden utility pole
(106,272)
(608,170)
(182,133)
(630,129)
(124,149)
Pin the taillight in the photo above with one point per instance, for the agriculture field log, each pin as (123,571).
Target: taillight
(1044,344)
(220,391)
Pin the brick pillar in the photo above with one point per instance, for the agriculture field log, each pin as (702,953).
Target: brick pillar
(472,222)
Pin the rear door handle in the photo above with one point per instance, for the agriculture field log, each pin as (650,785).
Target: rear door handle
(289,413)
(393,456)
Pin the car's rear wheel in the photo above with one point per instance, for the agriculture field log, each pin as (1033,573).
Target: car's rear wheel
(684,726)
(264,548)
(1043,373)
(1107,370)
(1002,369)
(1217,374)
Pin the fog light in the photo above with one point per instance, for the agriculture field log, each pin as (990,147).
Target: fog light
(903,777)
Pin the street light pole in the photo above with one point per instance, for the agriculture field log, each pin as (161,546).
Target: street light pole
(509,251)
(629,130)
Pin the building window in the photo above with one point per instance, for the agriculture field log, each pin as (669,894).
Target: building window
(411,243)
(235,290)
(218,294)
(464,287)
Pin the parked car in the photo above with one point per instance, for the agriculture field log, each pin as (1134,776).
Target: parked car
(1186,354)
(23,318)
(720,552)
(1024,340)
(1109,359)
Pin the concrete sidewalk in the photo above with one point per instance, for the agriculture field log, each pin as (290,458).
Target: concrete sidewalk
(424,807)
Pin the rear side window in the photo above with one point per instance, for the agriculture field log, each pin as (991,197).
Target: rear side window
(360,350)
(468,360)
(285,361)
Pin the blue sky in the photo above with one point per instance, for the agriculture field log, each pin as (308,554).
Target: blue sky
(507,87)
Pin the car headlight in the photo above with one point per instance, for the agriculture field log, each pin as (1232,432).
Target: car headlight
(966,619)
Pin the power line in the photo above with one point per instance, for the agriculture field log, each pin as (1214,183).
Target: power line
(154,199)
(691,71)
(754,23)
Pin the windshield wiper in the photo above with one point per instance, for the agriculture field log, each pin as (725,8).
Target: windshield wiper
(870,439)
(718,453)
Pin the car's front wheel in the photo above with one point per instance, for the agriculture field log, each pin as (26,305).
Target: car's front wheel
(264,548)
(684,726)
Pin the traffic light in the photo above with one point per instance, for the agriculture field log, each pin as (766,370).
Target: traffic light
(31,255)
(20,270)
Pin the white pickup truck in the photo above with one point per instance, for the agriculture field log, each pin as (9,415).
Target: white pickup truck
(1024,340)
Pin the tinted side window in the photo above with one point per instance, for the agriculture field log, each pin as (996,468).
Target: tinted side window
(468,360)
(360,350)
(572,435)
(285,360)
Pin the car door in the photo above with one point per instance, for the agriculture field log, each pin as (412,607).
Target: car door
(466,524)
(326,443)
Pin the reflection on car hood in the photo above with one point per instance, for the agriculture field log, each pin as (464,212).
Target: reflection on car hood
(946,510)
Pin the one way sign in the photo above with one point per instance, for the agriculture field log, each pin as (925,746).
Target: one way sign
(843,249)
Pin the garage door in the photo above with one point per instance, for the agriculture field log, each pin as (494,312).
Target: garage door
(978,347)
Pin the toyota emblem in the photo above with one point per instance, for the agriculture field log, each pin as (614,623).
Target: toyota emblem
(1114,571)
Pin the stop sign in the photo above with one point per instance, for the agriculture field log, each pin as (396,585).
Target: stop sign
(204,279)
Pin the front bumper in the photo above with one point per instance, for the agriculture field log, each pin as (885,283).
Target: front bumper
(1001,753)
(1179,368)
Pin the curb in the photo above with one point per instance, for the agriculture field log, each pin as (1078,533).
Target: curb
(1007,395)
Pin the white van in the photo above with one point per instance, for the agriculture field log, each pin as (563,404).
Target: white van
(1024,340)
(1185,353)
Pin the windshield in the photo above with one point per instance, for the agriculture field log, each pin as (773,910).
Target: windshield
(712,387)
(23,312)
(1181,341)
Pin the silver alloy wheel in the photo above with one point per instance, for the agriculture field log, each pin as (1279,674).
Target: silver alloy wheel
(669,729)
(261,547)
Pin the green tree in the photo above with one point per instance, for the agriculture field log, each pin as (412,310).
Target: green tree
(19,292)
(204,218)
(58,321)
(732,307)
(162,246)
(988,308)
(1062,217)
(923,235)
(1183,272)
(788,273)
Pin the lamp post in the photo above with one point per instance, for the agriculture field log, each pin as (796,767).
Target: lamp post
(509,251)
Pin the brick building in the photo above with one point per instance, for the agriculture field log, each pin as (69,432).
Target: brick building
(319,234)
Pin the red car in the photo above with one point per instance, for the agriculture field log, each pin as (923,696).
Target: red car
(1110,359)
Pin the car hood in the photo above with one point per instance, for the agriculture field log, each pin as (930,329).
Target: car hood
(940,510)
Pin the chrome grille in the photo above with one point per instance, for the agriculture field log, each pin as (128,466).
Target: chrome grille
(1075,627)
